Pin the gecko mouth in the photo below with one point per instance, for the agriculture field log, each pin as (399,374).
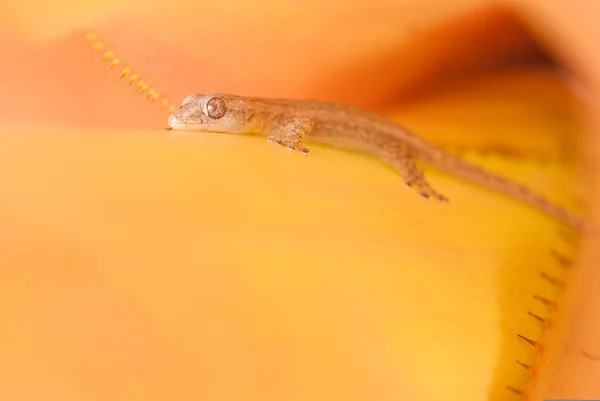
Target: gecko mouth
(175,124)
(172,121)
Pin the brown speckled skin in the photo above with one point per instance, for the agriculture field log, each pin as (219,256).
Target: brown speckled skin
(288,122)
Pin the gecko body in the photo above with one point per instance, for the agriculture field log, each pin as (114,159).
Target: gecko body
(288,123)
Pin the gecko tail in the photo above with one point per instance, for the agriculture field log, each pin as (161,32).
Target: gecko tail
(477,175)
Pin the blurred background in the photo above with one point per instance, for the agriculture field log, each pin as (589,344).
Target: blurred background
(136,266)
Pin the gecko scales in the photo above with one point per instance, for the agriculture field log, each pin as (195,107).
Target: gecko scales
(288,122)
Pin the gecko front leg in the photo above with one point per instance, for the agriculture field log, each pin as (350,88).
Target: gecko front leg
(290,132)
(402,159)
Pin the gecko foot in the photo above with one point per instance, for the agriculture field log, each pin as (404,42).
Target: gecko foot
(431,193)
(425,190)
(290,132)
(412,174)
(289,142)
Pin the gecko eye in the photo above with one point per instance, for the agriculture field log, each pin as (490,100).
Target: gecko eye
(216,107)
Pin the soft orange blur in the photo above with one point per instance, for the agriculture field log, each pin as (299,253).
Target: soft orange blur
(140,266)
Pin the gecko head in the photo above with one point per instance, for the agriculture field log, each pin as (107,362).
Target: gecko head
(218,112)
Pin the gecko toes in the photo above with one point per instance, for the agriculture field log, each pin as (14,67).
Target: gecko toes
(276,141)
(432,194)
(290,144)
(441,198)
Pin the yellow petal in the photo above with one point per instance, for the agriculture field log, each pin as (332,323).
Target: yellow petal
(215,266)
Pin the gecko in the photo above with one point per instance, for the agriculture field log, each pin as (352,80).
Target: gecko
(288,122)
